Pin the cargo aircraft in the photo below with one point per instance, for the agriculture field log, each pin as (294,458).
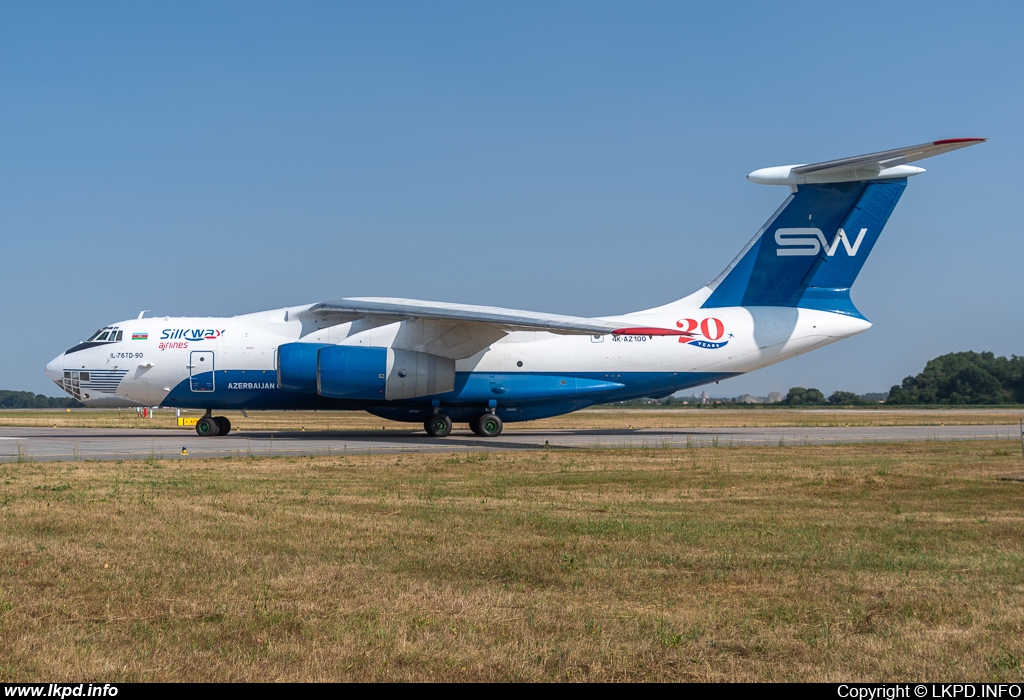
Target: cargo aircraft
(435,363)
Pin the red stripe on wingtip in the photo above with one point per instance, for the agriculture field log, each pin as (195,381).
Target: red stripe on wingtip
(649,331)
(945,141)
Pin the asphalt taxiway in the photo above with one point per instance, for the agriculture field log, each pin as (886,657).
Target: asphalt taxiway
(72,444)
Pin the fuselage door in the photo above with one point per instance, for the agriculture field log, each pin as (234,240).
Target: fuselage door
(200,370)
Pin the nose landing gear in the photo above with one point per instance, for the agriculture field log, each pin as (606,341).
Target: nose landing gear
(212,426)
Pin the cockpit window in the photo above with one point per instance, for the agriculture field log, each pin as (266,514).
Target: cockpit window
(106,334)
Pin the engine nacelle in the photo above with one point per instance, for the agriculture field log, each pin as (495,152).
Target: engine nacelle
(352,372)
(358,372)
(296,367)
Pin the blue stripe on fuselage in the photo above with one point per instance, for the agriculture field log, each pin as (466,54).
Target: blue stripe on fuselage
(540,392)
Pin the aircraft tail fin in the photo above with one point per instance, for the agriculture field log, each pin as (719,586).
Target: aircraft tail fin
(811,251)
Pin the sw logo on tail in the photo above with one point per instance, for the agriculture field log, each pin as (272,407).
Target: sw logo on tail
(810,241)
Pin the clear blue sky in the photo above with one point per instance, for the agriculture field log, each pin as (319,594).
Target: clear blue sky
(583,158)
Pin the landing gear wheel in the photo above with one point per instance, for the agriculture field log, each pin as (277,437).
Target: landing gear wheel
(223,425)
(207,427)
(487,425)
(439,425)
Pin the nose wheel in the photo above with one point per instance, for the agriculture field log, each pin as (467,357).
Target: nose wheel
(212,426)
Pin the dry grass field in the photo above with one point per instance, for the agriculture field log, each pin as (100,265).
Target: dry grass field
(870,562)
(591,419)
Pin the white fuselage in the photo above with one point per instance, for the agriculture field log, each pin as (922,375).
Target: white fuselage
(159,361)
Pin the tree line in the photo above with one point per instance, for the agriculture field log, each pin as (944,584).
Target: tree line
(26,399)
(955,379)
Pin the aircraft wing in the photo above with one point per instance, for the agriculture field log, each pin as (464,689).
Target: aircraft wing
(507,320)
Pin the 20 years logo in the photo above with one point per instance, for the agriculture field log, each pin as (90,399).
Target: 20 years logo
(711,332)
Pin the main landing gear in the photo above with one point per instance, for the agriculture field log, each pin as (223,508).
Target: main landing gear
(438,425)
(212,426)
(486,425)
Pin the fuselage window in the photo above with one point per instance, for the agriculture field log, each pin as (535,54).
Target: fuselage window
(84,376)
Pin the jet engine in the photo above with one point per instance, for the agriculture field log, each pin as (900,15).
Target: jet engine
(359,372)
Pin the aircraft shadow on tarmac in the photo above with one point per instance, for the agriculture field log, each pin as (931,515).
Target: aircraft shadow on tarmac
(526,440)
(420,435)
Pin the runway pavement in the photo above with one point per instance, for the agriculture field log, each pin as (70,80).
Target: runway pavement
(72,444)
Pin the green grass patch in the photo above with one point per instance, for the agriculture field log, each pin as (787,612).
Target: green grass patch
(807,563)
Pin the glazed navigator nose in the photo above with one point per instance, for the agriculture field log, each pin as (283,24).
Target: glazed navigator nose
(55,368)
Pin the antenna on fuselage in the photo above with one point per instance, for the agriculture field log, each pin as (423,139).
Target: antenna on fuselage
(143,313)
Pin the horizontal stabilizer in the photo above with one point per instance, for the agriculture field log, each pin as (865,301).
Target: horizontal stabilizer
(872,166)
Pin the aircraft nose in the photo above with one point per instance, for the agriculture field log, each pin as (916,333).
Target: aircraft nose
(55,368)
